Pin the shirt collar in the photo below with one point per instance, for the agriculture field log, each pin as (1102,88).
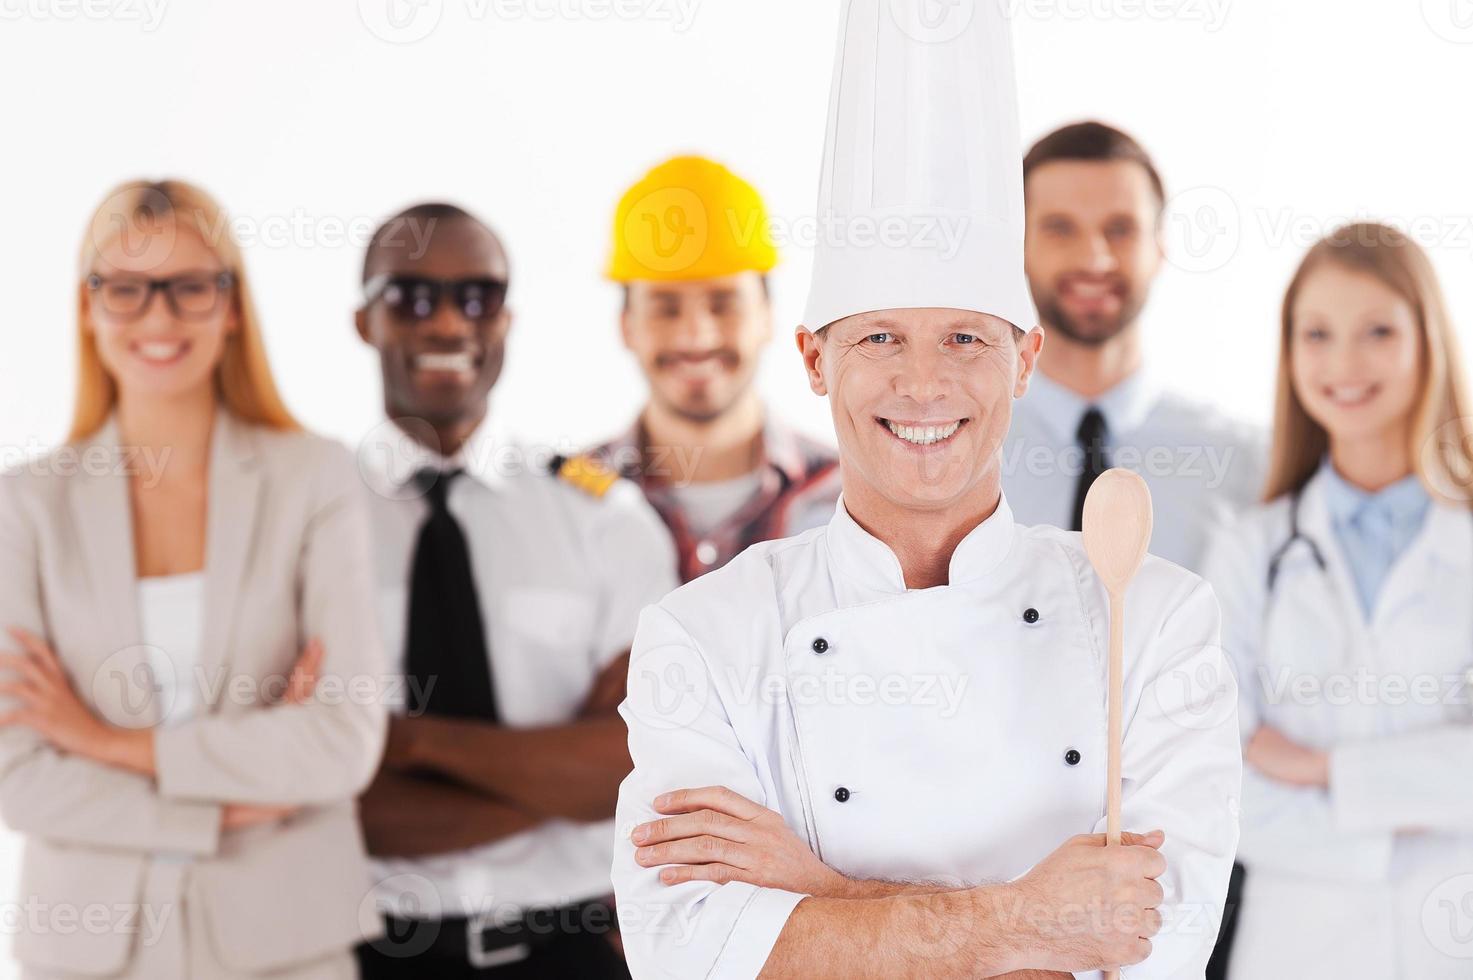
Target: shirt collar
(1124,406)
(389,457)
(861,556)
(1404,502)
(782,451)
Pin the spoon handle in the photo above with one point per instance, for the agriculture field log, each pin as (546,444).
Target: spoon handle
(1117,681)
(1117,685)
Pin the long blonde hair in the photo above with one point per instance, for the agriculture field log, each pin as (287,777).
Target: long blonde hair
(243,376)
(1441,439)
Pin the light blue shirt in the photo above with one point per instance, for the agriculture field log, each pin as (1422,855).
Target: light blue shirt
(1201,468)
(1373,529)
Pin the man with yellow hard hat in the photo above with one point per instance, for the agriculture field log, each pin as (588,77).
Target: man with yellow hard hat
(692,249)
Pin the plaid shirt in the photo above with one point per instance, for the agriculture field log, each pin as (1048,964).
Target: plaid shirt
(797,488)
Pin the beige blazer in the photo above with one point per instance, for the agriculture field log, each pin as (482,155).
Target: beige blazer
(288,558)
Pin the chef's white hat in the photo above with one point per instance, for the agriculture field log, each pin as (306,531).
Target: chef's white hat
(920,200)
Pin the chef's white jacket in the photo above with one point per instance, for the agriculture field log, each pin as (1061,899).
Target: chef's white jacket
(1372,878)
(968,732)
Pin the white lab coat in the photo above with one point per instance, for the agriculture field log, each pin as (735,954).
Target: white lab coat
(943,712)
(1374,877)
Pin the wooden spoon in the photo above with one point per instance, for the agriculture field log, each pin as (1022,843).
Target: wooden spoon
(1117,532)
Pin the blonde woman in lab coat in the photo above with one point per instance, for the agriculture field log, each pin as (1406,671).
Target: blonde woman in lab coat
(1347,604)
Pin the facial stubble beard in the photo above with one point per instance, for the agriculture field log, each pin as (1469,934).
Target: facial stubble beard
(707,415)
(1051,313)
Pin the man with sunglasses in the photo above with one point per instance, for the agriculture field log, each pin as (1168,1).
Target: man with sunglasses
(516,594)
(692,249)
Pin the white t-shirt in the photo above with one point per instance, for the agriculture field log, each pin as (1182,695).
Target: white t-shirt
(707,506)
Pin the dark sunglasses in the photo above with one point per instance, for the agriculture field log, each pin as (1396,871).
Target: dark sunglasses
(416,298)
(190,295)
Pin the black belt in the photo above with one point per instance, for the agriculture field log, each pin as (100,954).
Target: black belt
(490,940)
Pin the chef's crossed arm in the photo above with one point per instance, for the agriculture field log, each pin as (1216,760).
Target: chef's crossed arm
(719,886)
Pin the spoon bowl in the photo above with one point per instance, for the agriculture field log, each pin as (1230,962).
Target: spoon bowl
(1117,526)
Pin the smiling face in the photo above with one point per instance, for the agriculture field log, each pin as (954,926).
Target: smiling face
(1091,248)
(1355,353)
(439,368)
(921,401)
(698,342)
(159,353)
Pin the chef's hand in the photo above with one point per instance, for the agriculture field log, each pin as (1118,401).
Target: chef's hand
(1281,758)
(1090,907)
(714,834)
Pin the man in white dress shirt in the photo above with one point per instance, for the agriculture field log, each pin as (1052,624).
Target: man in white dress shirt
(878,749)
(509,598)
(1094,206)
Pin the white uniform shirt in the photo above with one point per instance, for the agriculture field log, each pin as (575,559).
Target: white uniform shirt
(947,716)
(562,576)
(1200,467)
(1372,878)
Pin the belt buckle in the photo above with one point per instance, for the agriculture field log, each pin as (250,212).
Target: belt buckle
(482,958)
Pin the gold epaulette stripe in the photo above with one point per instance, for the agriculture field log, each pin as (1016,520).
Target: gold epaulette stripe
(588,474)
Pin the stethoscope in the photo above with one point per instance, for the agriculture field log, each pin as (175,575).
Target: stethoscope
(1295,534)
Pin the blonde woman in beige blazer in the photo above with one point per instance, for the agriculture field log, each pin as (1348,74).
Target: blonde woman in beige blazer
(189,668)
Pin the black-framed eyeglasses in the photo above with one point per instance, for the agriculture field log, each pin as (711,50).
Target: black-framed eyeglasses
(190,295)
(416,298)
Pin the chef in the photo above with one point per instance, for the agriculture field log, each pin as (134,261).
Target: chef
(878,748)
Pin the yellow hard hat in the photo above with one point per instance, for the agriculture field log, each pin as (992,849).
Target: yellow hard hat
(690,218)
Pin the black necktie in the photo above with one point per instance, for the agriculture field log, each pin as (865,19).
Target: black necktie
(446,659)
(1091,437)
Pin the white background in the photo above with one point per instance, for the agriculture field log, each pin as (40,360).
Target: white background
(313,119)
